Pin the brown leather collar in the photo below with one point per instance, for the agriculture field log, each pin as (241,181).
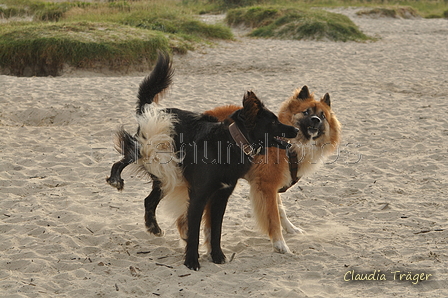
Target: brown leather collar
(241,141)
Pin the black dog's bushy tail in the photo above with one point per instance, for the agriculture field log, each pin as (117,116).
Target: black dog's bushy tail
(153,86)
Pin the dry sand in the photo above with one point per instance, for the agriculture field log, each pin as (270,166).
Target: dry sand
(380,205)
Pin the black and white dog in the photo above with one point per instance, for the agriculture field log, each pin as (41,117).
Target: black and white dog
(193,159)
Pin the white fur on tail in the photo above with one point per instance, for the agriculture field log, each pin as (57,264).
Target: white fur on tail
(157,147)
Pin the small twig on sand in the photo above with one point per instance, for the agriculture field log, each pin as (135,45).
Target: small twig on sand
(422,232)
(168,266)
(143,252)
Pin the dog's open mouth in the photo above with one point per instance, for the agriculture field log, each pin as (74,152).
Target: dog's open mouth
(284,142)
(315,133)
(312,130)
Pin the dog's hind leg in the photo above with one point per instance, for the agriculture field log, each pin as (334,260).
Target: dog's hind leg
(115,179)
(286,224)
(129,147)
(151,203)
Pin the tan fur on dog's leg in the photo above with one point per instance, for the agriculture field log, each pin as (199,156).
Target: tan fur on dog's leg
(264,202)
(182,227)
(263,194)
(286,224)
(207,219)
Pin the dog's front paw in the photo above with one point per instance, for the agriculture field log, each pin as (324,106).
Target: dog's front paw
(218,257)
(117,183)
(281,247)
(192,263)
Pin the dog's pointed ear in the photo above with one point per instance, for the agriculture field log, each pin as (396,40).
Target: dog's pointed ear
(304,93)
(251,103)
(326,99)
(251,107)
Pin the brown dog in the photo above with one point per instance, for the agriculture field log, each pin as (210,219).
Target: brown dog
(318,137)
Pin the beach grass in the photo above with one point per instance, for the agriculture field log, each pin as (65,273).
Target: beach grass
(293,23)
(43,48)
(425,8)
(39,37)
(404,12)
(100,35)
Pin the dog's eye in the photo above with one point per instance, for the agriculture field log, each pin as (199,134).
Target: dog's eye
(306,112)
(322,115)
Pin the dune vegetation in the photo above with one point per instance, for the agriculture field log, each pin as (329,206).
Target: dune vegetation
(293,23)
(39,38)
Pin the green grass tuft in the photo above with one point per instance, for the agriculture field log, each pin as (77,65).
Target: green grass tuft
(174,24)
(425,8)
(404,12)
(293,23)
(43,49)
(39,10)
(116,35)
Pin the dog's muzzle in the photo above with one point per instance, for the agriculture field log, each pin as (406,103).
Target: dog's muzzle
(314,125)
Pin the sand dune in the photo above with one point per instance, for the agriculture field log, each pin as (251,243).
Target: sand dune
(380,204)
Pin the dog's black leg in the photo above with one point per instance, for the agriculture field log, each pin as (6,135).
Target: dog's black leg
(151,203)
(218,205)
(194,217)
(129,147)
(115,179)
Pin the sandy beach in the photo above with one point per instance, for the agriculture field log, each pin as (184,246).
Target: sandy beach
(376,209)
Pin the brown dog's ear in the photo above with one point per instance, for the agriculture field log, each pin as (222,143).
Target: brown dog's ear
(304,93)
(251,107)
(326,99)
